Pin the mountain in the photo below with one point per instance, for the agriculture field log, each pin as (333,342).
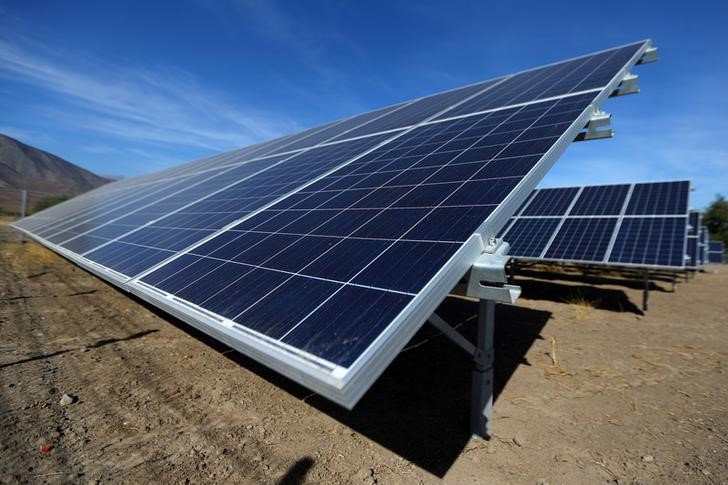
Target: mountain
(25,167)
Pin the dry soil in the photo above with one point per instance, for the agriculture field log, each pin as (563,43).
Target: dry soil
(589,390)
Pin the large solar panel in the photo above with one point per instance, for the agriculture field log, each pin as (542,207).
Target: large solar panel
(321,253)
(716,252)
(643,225)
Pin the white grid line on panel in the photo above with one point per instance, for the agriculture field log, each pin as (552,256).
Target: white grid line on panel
(316,179)
(561,223)
(424,217)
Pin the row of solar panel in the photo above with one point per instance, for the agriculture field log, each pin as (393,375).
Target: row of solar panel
(629,224)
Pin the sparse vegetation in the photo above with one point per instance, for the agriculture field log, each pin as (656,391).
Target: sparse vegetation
(716,219)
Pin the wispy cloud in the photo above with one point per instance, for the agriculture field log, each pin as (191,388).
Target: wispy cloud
(690,147)
(167,105)
(24,135)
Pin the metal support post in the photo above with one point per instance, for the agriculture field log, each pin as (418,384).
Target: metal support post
(23,202)
(481,408)
(646,294)
(488,283)
(674,282)
(23,209)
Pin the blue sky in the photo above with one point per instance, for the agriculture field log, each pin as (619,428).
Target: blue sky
(130,87)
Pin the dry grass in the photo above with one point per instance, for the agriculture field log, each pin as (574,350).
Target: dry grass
(583,307)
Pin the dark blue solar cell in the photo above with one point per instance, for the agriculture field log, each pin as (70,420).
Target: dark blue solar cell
(345,259)
(343,327)
(85,243)
(391,223)
(601,200)
(244,292)
(583,239)
(658,241)
(342,129)
(128,259)
(418,111)
(300,253)
(283,308)
(449,224)
(195,267)
(550,202)
(528,237)
(406,266)
(664,198)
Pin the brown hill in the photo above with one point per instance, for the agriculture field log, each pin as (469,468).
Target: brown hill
(26,167)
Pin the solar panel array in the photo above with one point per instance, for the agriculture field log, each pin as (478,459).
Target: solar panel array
(640,225)
(321,253)
(716,252)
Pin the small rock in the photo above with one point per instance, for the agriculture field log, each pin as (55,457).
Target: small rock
(519,440)
(648,459)
(66,400)
(542,481)
(365,475)
(705,472)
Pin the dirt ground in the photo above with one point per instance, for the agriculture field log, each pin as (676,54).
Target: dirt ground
(589,390)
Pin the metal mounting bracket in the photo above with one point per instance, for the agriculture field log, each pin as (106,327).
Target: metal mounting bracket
(627,86)
(650,55)
(487,279)
(595,127)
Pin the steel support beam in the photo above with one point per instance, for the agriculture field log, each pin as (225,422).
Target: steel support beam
(481,406)
(646,291)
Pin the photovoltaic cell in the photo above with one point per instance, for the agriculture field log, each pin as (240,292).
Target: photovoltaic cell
(550,202)
(604,200)
(584,239)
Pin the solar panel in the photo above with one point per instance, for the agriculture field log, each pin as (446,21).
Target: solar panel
(320,254)
(716,252)
(641,225)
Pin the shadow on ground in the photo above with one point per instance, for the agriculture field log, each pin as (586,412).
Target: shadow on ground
(594,277)
(601,298)
(98,343)
(297,473)
(419,408)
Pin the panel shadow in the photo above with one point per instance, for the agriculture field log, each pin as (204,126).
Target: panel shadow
(599,276)
(593,296)
(419,408)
